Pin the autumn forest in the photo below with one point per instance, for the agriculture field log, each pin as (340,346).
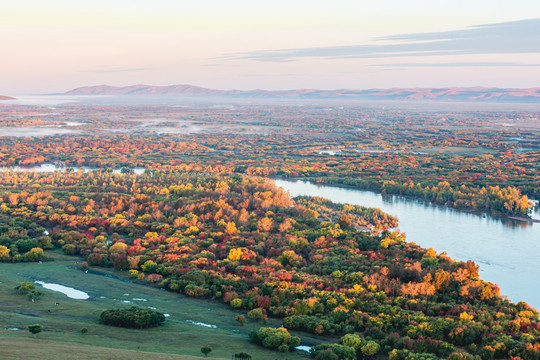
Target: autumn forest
(183,199)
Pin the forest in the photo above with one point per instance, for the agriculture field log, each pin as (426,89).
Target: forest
(473,182)
(480,161)
(335,271)
(182,199)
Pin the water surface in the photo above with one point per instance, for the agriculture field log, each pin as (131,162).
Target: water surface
(68,291)
(507,251)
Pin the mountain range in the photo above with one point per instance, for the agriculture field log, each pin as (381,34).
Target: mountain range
(400,94)
(6,98)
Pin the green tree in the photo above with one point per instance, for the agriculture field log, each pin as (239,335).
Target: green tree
(34,329)
(206,350)
(236,303)
(353,340)
(370,349)
(242,356)
(294,341)
(34,295)
(256,314)
(327,354)
(283,348)
(35,254)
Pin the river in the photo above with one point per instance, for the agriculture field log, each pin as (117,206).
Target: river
(506,250)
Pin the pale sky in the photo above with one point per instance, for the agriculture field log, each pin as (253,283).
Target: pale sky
(56,45)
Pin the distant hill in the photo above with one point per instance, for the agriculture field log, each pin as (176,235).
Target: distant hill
(6,98)
(412,94)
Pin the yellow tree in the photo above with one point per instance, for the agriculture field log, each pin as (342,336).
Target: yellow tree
(230,228)
(265,224)
(4,253)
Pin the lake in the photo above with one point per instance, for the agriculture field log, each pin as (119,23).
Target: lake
(506,250)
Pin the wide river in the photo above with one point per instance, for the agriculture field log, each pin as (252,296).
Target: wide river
(507,251)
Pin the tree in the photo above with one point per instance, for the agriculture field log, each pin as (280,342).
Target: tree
(230,228)
(118,248)
(4,253)
(256,314)
(35,254)
(370,349)
(344,221)
(236,303)
(327,354)
(34,329)
(133,317)
(34,295)
(25,287)
(242,356)
(265,224)
(206,350)
(352,340)
(294,341)
(241,319)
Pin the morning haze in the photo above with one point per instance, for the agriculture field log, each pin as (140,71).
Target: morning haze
(292,180)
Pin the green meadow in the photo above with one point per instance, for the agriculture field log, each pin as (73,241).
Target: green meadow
(191,324)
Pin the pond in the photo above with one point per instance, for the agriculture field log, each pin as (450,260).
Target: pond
(68,291)
(506,250)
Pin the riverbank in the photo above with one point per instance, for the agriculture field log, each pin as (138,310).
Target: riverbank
(505,249)
(51,167)
(524,219)
(498,215)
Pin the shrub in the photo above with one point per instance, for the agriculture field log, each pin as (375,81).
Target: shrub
(36,328)
(273,338)
(236,303)
(256,314)
(134,317)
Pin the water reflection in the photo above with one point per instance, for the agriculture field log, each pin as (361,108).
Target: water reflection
(406,202)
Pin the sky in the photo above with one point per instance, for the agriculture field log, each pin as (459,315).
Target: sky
(50,46)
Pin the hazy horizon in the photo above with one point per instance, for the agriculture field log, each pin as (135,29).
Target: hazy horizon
(57,45)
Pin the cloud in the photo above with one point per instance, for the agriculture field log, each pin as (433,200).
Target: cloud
(514,37)
(117,70)
(456,64)
(273,75)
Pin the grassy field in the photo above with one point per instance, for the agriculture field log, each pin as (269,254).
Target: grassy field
(35,348)
(62,323)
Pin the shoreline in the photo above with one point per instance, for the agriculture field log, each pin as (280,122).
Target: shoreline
(499,216)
